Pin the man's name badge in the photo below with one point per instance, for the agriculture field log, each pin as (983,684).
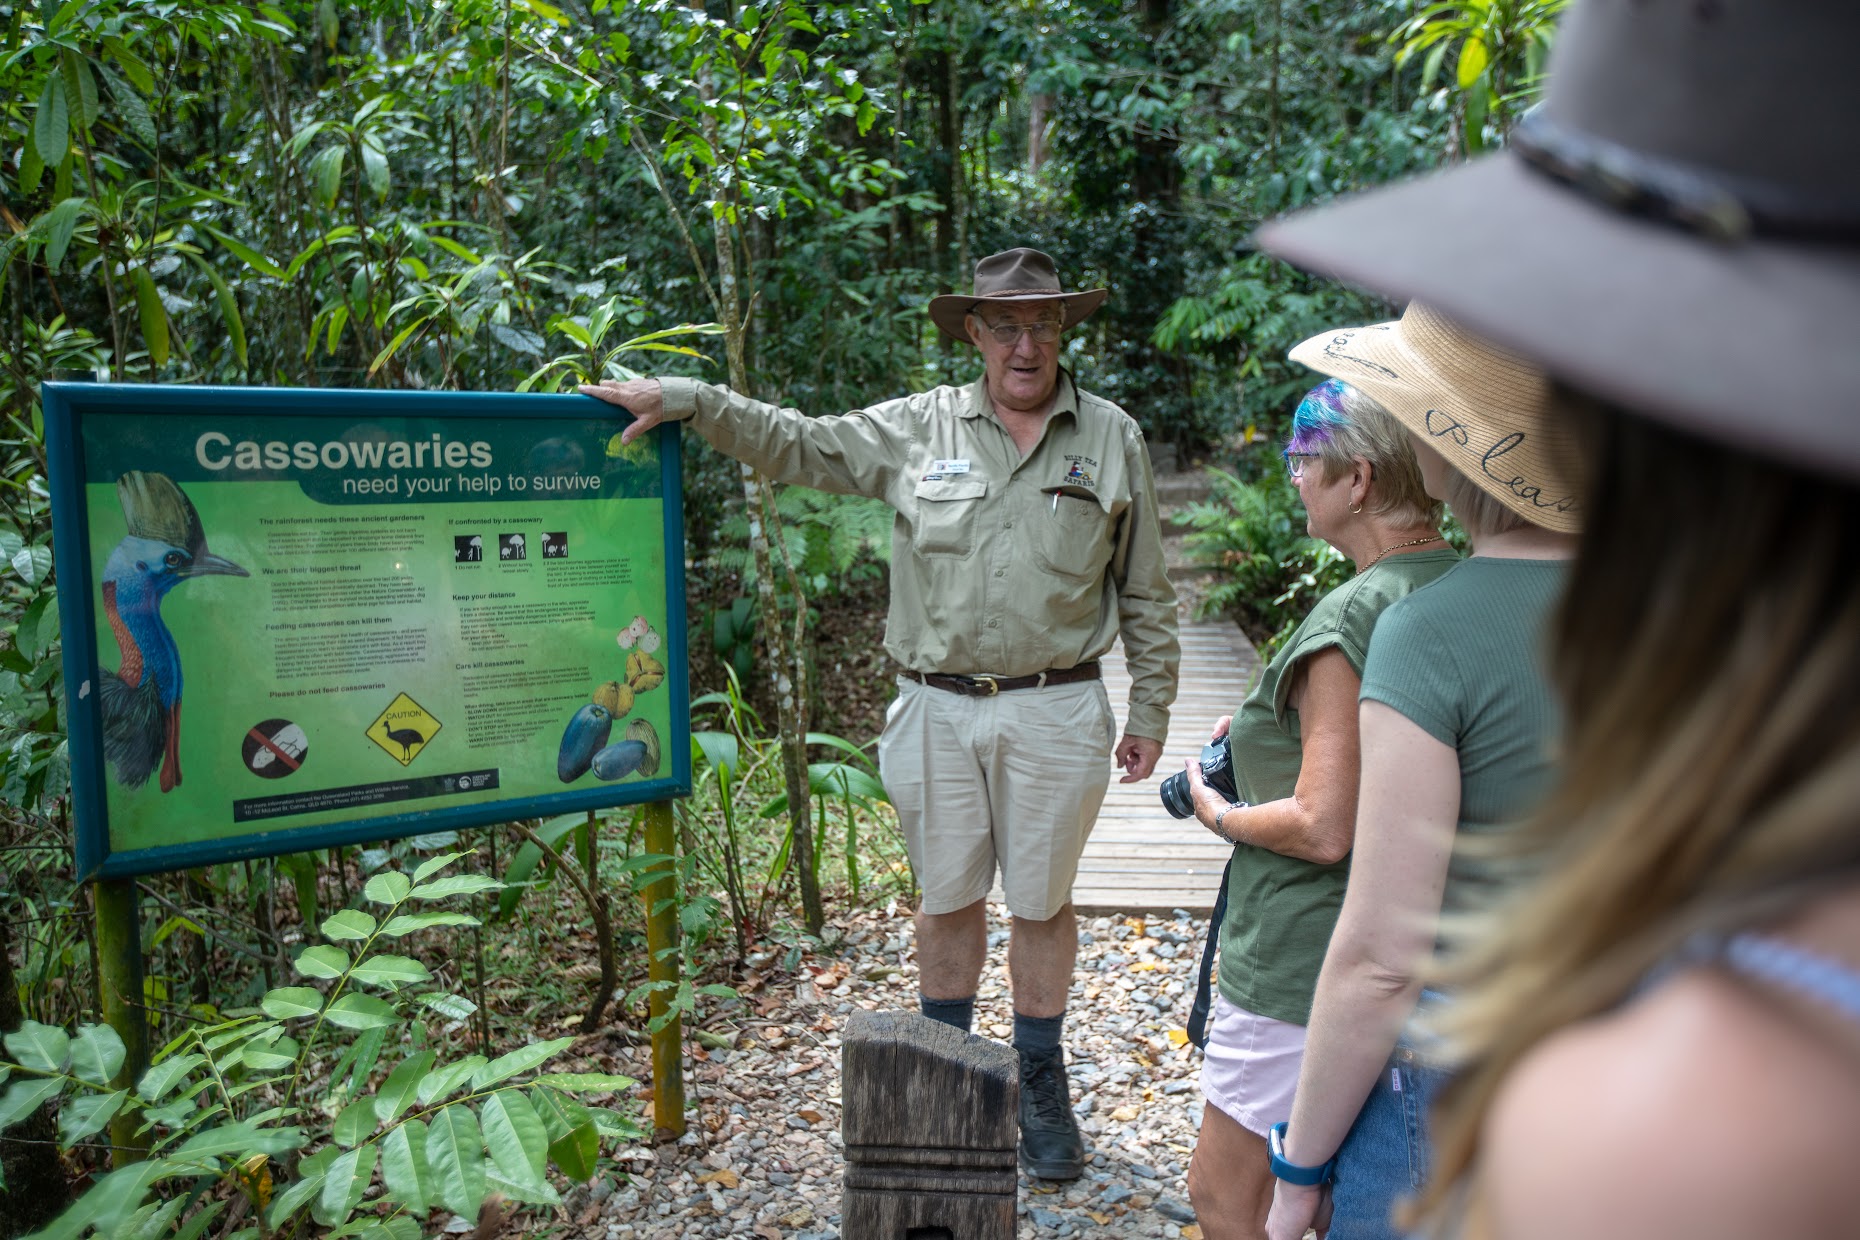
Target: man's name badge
(949,467)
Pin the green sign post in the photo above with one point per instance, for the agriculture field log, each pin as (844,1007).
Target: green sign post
(296,619)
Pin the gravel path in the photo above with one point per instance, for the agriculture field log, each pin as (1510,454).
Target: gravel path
(763,1157)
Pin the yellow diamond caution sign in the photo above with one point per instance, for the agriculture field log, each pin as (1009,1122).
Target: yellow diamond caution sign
(404,729)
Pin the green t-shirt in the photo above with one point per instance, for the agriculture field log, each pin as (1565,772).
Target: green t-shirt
(1280,909)
(1464,660)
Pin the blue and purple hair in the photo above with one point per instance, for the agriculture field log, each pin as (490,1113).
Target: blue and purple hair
(1318,417)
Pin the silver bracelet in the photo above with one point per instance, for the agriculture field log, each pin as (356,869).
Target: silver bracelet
(1221,818)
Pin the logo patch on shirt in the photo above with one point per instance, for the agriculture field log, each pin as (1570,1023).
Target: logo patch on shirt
(1079,475)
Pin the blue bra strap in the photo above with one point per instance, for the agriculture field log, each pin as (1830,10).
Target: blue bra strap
(1795,968)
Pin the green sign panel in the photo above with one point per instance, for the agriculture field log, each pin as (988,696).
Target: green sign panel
(301,618)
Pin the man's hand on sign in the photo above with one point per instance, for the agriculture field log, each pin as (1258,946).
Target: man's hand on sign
(639,397)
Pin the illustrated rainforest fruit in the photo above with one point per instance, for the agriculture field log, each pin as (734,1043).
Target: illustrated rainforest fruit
(619,760)
(582,740)
(644,672)
(616,697)
(642,731)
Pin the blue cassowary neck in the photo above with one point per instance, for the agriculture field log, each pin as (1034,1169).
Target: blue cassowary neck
(141,582)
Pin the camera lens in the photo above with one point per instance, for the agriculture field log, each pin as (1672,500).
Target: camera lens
(1177,796)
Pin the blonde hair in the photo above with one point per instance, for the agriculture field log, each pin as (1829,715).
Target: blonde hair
(1707,664)
(1365,429)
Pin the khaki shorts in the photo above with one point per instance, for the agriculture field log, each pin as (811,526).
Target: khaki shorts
(1015,779)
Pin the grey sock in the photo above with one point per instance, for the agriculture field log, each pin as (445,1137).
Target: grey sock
(1036,1035)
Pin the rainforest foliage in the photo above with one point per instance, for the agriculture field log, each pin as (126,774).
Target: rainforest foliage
(519,194)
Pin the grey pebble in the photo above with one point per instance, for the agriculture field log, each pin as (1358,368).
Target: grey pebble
(1043,1217)
(1115,1194)
(1170,1208)
(1144,1170)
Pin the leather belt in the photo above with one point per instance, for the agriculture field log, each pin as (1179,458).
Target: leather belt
(988,686)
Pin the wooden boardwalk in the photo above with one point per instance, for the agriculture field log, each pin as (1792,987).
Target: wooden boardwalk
(1139,859)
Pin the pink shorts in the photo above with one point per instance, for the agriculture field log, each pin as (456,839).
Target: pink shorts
(1250,1070)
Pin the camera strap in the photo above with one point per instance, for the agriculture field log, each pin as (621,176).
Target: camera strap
(1204,975)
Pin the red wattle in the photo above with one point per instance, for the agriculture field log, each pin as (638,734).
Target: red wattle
(130,673)
(171,751)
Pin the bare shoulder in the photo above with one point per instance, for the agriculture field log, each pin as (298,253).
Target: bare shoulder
(1708,1109)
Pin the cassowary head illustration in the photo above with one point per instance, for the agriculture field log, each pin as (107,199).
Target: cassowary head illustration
(141,701)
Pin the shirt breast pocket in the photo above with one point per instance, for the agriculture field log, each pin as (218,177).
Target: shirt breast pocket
(945,516)
(1075,536)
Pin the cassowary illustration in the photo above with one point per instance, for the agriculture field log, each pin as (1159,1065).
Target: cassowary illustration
(141,700)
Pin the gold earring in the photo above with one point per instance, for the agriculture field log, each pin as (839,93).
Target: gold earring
(1354,511)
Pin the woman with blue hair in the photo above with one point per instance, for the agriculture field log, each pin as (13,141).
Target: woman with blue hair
(1294,756)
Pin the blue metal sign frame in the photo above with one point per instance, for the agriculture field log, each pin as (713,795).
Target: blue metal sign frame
(66,406)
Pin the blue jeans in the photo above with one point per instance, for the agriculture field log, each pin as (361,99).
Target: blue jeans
(1386,1155)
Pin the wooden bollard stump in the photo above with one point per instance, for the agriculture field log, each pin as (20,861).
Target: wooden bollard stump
(929,1117)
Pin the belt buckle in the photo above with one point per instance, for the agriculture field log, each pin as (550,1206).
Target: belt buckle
(994,685)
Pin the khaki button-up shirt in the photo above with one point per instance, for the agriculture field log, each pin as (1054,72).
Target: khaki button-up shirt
(1000,564)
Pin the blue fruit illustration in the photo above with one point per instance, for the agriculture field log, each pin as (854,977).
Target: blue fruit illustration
(619,760)
(581,740)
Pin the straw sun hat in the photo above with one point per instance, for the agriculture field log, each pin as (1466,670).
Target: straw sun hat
(1483,409)
(1012,275)
(1675,229)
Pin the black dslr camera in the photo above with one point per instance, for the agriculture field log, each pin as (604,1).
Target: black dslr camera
(1217,771)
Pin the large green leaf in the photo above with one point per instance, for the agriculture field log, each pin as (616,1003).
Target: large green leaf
(586,1082)
(109,1203)
(355,1124)
(342,1191)
(403,1166)
(456,885)
(42,1048)
(1473,60)
(60,223)
(51,127)
(407,923)
(452,1007)
(388,887)
(515,1137)
(528,857)
(455,1154)
(523,1059)
(322,961)
(82,1116)
(242,1139)
(97,1054)
(432,865)
(273,1057)
(442,1081)
(229,307)
(397,1092)
(161,1078)
(326,175)
(354,1011)
(289,1002)
(576,1150)
(389,971)
(350,925)
(25,1096)
(152,315)
(246,254)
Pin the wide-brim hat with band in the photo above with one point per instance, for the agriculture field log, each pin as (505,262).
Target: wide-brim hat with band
(1482,408)
(1012,275)
(1676,228)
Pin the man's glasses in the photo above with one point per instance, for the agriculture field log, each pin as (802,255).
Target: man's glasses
(1295,462)
(1043,332)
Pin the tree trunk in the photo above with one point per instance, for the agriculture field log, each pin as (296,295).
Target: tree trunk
(787,655)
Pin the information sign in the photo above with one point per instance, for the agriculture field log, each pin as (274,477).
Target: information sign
(297,618)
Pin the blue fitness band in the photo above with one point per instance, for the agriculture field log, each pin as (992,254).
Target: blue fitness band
(1291,1172)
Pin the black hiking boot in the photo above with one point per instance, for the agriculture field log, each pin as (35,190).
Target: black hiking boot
(1050,1146)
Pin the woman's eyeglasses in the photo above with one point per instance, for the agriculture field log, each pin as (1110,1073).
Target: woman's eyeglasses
(1295,462)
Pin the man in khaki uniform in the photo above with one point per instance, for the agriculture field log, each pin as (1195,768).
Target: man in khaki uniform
(1026,541)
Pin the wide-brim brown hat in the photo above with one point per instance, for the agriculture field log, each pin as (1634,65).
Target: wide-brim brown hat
(1013,275)
(1483,408)
(1676,228)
